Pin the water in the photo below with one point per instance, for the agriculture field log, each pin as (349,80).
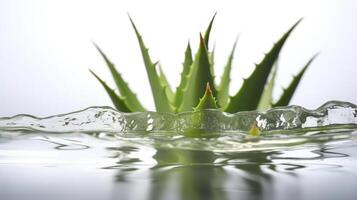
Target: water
(81,155)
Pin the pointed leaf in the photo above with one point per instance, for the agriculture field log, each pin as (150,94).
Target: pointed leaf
(247,98)
(266,101)
(197,79)
(162,102)
(118,102)
(289,92)
(206,40)
(211,56)
(197,119)
(223,89)
(207,101)
(208,31)
(184,74)
(169,93)
(130,97)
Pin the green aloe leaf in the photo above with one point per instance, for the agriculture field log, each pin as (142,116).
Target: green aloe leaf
(130,97)
(162,102)
(169,93)
(211,56)
(207,101)
(206,39)
(208,31)
(184,74)
(118,102)
(223,89)
(199,76)
(266,101)
(289,91)
(247,98)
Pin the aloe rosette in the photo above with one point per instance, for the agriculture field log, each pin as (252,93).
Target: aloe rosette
(198,89)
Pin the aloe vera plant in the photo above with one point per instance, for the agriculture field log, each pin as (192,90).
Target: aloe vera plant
(197,89)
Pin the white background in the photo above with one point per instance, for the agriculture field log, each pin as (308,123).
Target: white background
(46,47)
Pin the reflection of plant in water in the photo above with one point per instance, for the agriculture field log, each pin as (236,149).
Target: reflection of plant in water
(192,174)
(200,174)
(195,174)
(256,91)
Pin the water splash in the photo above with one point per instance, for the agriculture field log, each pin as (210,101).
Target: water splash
(333,114)
(150,150)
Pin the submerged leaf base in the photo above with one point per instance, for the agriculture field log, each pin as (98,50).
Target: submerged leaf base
(333,114)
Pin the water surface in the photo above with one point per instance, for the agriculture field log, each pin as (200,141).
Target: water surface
(99,153)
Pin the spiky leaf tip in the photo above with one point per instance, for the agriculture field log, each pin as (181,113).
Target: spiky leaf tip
(118,102)
(211,54)
(223,89)
(161,100)
(207,101)
(197,79)
(185,71)
(128,95)
(247,98)
(208,31)
(290,90)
